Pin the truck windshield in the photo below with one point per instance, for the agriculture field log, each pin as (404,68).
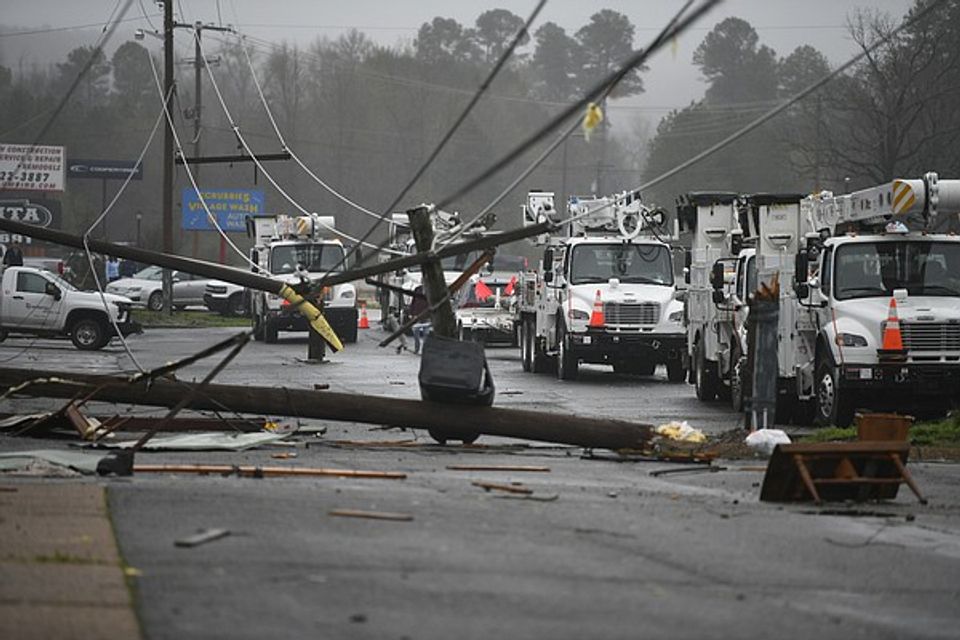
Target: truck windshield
(637,263)
(923,268)
(311,257)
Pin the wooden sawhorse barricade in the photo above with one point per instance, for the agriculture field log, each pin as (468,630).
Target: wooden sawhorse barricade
(838,471)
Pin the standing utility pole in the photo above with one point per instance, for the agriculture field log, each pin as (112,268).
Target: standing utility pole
(168,151)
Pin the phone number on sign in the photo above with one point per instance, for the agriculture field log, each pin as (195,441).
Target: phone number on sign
(24,176)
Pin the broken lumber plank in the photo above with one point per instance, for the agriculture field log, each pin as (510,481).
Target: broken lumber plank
(202,537)
(559,428)
(371,515)
(258,472)
(508,488)
(498,467)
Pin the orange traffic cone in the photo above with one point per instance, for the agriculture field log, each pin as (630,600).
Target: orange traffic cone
(596,318)
(364,323)
(892,338)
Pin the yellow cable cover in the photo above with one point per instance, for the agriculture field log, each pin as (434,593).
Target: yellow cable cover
(313,316)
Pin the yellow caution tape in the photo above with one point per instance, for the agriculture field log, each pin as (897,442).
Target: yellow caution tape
(591,119)
(313,316)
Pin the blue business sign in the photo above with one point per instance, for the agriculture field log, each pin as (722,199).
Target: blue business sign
(230,206)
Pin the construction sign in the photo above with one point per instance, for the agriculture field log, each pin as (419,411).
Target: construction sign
(25,167)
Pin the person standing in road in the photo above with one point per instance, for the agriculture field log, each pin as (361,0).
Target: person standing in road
(14,256)
(112,268)
(417,306)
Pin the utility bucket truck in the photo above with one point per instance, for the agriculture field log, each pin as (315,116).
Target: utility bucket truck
(713,325)
(604,292)
(869,311)
(294,249)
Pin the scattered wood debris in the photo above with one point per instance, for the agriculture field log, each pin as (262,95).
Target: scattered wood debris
(371,515)
(498,467)
(508,488)
(202,536)
(264,472)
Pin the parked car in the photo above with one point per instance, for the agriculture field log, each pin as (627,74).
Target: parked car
(145,288)
(226,298)
(486,311)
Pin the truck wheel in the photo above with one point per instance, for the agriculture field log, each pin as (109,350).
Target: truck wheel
(832,407)
(155,301)
(236,306)
(675,371)
(541,362)
(704,381)
(567,363)
(270,332)
(526,346)
(89,334)
(3,335)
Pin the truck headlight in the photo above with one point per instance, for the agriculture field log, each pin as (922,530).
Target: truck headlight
(579,314)
(851,340)
(676,316)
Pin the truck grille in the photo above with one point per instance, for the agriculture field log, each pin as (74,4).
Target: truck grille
(931,336)
(638,313)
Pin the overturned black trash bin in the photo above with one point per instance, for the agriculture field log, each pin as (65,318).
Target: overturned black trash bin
(455,372)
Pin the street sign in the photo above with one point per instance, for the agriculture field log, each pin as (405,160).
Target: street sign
(230,206)
(104,169)
(25,167)
(39,212)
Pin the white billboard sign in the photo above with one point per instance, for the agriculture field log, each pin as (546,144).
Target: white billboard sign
(25,167)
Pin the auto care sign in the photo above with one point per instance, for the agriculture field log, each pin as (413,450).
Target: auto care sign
(25,167)
(36,211)
(230,207)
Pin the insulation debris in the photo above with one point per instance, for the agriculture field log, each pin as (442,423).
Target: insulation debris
(681,432)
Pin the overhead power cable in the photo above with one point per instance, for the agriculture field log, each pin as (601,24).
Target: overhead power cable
(253,156)
(186,165)
(796,98)
(286,147)
(494,71)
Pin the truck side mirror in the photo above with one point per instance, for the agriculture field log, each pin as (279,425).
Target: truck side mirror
(52,290)
(802,289)
(718,297)
(801,267)
(548,276)
(716,276)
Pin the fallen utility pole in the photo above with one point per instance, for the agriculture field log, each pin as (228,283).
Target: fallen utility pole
(560,428)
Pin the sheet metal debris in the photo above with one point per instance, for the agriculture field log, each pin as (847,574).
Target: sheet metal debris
(26,461)
(203,442)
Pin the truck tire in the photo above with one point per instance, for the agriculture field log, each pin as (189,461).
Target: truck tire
(3,335)
(541,362)
(704,380)
(236,306)
(833,408)
(675,371)
(270,332)
(526,345)
(567,364)
(155,301)
(89,334)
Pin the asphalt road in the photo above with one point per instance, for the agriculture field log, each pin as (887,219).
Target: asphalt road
(603,550)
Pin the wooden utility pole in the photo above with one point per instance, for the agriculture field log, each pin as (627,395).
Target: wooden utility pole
(168,152)
(434,284)
(453,420)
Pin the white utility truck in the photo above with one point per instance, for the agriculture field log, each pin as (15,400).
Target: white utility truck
(40,303)
(869,311)
(713,346)
(604,292)
(295,250)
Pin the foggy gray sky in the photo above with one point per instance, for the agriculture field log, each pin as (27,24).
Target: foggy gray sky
(672,80)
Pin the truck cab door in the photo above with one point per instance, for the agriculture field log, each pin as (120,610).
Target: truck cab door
(34,303)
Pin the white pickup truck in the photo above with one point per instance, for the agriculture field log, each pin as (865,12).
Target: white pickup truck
(40,303)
